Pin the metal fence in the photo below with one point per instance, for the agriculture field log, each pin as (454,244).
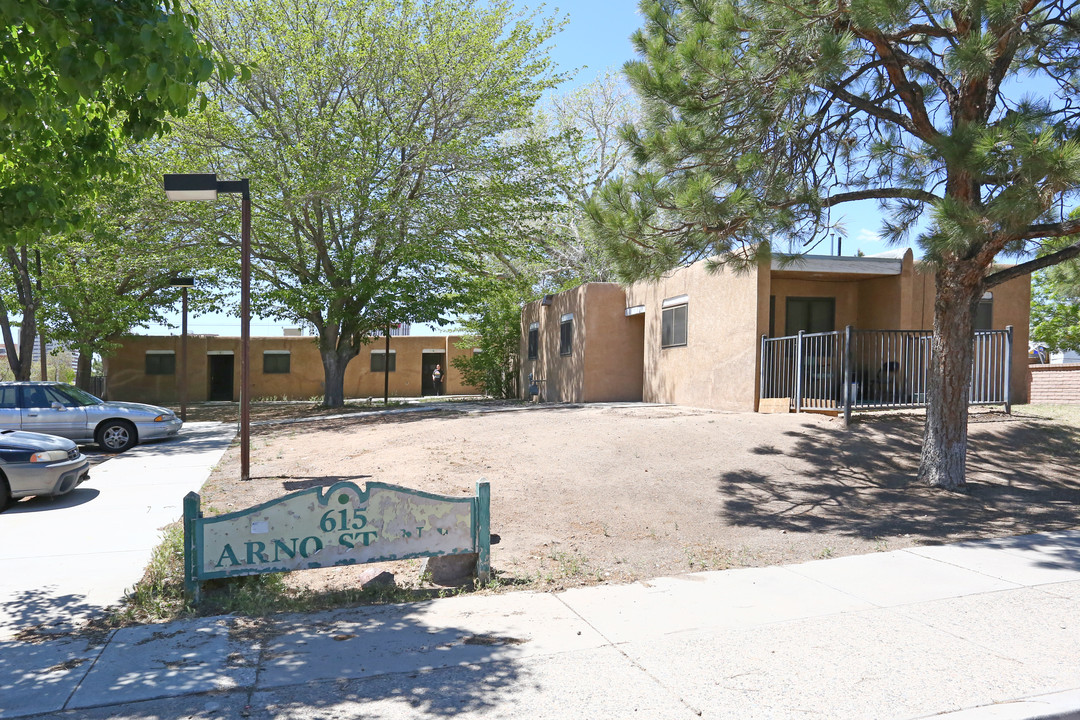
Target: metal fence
(864,369)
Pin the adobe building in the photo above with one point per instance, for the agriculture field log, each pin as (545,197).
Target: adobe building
(694,337)
(144,368)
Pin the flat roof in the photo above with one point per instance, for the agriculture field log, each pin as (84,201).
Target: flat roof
(835,267)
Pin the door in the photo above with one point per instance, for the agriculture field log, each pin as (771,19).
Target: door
(46,410)
(810,314)
(10,415)
(220,374)
(428,363)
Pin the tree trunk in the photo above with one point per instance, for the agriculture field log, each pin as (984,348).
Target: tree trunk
(944,450)
(83,369)
(334,364)
(22,361)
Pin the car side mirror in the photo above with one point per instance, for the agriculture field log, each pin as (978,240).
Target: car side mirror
(57,405)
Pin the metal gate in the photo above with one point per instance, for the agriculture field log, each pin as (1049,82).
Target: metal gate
(863,369)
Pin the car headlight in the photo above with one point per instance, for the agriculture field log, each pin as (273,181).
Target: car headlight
(164,418)
(49,456)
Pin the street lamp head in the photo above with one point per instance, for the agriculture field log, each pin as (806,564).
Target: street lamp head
(191,186)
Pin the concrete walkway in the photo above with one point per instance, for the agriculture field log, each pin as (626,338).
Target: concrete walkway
(63,560)
(974,630)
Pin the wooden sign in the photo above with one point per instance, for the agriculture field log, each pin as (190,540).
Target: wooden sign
(339,525)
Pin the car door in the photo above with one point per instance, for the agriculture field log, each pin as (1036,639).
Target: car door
(10,415)
(46,410)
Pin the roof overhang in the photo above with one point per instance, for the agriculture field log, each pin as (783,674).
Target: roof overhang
(831,267)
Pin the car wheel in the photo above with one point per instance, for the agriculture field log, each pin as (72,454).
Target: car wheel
(116,436)
(5,493)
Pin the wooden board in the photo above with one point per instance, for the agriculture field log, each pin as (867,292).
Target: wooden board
(774,405)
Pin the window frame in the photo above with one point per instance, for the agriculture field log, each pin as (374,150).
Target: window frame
(267,354)
(566,335)
(382,354)
(532,351)
(984,310)
(672,313)
(158,369)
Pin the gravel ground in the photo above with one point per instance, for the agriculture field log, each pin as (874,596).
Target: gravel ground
(618,493)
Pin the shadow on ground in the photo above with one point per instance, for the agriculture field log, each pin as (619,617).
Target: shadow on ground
(368,654)
(1023,476)
(35,613)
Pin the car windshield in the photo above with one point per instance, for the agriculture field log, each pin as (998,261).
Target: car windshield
(81,397)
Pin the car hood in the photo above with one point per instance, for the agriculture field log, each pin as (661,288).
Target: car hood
(21,440)
(133,407)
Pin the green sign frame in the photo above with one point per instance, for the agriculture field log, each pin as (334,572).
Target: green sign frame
(334,526)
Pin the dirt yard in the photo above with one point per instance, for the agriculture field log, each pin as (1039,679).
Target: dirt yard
(584,495)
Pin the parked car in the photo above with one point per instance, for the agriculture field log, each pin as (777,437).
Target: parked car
(61,409)
(36,464)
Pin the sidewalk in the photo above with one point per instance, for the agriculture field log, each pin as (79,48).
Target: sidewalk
(66,559)
(985,629)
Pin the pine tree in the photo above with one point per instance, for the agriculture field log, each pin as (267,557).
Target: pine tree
(958,117)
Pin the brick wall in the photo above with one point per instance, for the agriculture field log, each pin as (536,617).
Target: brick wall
(1055,384)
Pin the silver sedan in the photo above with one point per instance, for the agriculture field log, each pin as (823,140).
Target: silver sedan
(35,464)
(61,409)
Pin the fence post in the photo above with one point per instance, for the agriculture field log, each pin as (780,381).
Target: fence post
(798,372)
(1008,369)
(192,588)
(482,504)
(761,373)
(849,371)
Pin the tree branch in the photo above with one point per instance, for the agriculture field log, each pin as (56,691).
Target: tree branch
(873,110)
(881,194)
(1032,265)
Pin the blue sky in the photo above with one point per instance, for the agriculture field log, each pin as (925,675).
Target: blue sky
(595,38)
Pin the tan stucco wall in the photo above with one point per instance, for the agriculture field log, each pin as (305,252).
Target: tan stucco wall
(563,375)
(1012,306)
(717,368)
(727,315)
(127,379)
(845,293)
(613,346)
(407,378)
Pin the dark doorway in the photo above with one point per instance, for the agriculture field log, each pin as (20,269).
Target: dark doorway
(428,363)
(220,372)
(811,315)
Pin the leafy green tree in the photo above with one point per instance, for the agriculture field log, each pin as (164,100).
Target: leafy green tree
(1055,317)
(495,329)
(761,117)
(77,78)
(20,288)
(577,135)
(581,132)
(371,132)
(96,280)
(114,272)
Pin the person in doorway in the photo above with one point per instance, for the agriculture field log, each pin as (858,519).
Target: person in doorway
(437,378)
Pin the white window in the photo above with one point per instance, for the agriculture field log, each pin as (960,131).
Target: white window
(673,325)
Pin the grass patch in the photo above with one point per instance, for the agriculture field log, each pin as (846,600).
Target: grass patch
(159,596)
(1068,414)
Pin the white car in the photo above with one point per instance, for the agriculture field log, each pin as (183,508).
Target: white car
(60,409)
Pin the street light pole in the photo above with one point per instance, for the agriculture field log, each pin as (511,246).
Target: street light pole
(183,358)
(206,186)
(245,332)
(183,283)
